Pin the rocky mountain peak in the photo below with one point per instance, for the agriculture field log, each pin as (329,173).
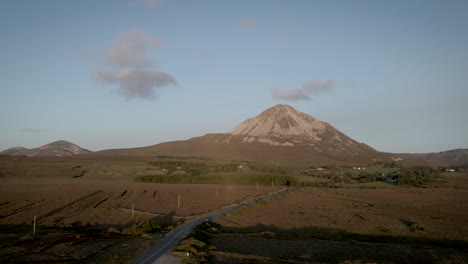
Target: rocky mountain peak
(281,120)
(58,144)
(280,134)
(62,146)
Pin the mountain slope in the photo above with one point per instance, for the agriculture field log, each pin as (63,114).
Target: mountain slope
(284,125)
(279,134)
(58,149)
(281,120)
(455,157)
(15,151)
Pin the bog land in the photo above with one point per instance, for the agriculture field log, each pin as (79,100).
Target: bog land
(113,209)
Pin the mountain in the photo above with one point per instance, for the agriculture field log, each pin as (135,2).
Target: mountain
(281,120)
(58,149)
(280,134)
(455,157)
(16,151)
(284,125)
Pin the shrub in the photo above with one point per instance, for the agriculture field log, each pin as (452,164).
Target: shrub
(416,176)
(249,178)
(134,230)
(151,227)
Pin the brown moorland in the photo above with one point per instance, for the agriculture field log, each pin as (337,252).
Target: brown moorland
(394,225)
(83,208)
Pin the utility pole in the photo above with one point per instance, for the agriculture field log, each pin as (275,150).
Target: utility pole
(34,226)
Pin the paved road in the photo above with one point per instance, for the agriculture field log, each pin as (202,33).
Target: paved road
(173,238)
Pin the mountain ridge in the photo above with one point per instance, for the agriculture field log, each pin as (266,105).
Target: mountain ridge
(57,148)
(279,134)
(454,157)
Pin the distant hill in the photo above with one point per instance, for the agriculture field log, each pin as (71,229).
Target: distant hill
(455,157)
(55,149)
(280,134)
(15,151)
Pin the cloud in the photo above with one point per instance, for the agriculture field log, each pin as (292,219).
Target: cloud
(152,3)
(136,76)
(136,83)
(306,92)
(317,86)
(33,130)
(130,48)
(292,95)
(249,22)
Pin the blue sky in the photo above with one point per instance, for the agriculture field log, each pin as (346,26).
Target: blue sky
(114,74)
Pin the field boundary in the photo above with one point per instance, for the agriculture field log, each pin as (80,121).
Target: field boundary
(76,201)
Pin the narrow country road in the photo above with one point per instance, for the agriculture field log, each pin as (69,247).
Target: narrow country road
(173,238)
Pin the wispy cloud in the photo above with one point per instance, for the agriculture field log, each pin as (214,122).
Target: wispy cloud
(317,86)
(249,22)
(149,4)
(306,92)
(130,48)
(292,95)
(153,3)
(134,83)
(135,76)
(33,130)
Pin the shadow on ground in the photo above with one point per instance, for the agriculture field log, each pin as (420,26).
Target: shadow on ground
(78,243)
(271,244)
